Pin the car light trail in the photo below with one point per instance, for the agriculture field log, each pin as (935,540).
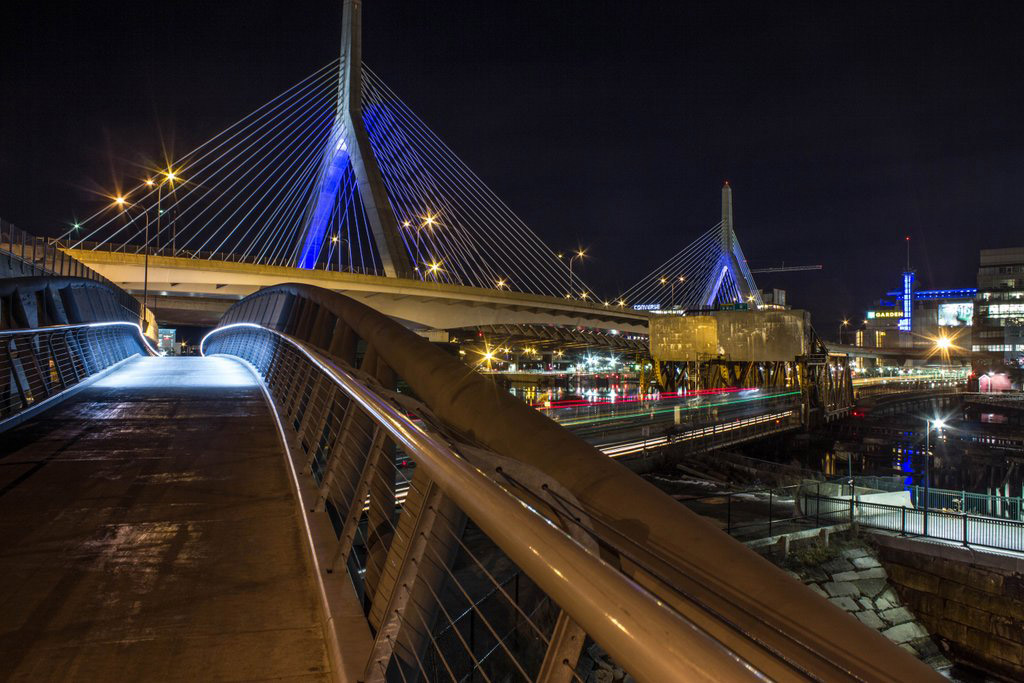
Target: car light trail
(573,422)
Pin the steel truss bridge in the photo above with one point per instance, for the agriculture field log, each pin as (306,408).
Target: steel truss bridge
(448,529)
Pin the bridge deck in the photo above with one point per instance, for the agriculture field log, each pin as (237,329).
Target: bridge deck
(148,531)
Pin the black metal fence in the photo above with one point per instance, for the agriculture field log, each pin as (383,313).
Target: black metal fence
(963,528)
(754,514)
(762,513)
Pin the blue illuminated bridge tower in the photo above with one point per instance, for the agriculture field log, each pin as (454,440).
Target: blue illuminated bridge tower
(349,149)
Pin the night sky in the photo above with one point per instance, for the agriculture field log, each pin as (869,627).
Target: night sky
(611,125)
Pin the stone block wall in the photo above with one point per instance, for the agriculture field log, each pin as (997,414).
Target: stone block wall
(855,581)
(973,601)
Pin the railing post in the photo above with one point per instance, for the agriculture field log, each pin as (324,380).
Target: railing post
(852,498)
(965,529)
(769,512)
(903,521)
(728,514)
(817,507)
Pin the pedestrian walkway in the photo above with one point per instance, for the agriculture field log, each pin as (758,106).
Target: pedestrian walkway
(148,531)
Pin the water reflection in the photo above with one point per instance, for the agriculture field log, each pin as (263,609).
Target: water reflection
(975,453)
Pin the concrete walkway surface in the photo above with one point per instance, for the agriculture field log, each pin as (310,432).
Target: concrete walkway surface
(148,532)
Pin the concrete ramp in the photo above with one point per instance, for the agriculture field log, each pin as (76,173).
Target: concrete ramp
(148,531)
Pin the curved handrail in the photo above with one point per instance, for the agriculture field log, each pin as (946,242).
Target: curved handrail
(41,366)
(148,345)
(769,616)
(651,641)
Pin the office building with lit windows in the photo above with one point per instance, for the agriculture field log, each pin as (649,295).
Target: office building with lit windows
(998,334)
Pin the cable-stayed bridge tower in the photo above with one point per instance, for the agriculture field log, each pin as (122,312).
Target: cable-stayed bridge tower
(709,271)
(732,262)
(349,145)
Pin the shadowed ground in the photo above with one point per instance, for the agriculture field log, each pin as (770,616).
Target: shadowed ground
(148,531)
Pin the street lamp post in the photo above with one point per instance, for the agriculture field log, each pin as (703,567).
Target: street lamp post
(169,177)
(937,424)
(428,224)
(672,295)
(578,255)
(343,240)
(122,203)
(841,326)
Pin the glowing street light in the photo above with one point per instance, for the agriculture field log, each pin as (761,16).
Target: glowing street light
(672,291)
(936,423)
(170,177)
(501,284)
(579,255)
(841,326)
(121,202)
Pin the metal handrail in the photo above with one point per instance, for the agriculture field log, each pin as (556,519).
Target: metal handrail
(651,641)
(39,366)
(148,344)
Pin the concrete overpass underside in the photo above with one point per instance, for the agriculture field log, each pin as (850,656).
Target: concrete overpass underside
(551,337)
(186,291)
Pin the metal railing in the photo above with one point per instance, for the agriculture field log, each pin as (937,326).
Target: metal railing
(37,365)
(962,528)
(949,500)
(755,513)
(628,621)
(494,489)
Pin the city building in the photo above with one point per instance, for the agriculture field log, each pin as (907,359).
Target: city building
(998,335)
(774,299)
(912,318)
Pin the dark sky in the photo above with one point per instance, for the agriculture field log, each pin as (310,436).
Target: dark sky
(613,124)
